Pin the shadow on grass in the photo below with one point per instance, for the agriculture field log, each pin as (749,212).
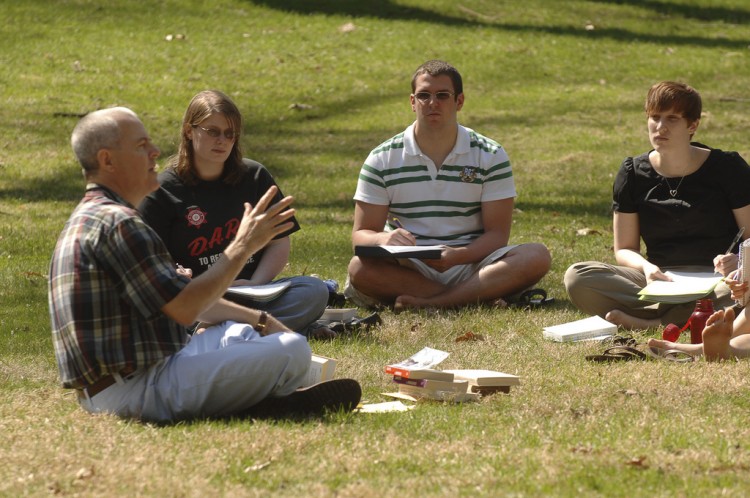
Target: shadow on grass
(387,10)
(699,12)
(64,187)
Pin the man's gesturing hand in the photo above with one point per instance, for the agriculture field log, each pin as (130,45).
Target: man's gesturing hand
(260,224)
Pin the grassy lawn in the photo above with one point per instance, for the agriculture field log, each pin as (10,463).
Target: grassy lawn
(560,84)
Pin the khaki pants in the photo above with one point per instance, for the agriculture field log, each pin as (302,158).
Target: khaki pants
(597,288)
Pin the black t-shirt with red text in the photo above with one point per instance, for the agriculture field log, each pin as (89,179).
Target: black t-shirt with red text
(198,222)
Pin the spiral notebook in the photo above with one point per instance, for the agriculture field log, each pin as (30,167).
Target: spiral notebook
(744,274)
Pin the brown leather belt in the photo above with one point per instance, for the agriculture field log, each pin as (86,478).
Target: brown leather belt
(101,384)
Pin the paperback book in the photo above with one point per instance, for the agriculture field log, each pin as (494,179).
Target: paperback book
(419,366)
(587,329)
(459,394)
(485,380)
(321,369)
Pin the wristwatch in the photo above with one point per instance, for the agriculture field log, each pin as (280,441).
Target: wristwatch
(261,325)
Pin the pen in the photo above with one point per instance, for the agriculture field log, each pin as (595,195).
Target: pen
(396,223)
(736,239)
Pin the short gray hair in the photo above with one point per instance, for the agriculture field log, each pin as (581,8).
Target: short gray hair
(96,131)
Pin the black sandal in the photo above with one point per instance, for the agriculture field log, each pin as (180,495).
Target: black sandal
(532,298)
(356,324)
(617,353)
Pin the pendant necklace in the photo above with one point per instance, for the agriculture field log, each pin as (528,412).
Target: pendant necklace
(673,191)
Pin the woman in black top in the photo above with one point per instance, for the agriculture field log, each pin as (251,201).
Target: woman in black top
(684,200)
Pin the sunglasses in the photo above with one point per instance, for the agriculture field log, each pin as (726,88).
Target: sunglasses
(427,96)
(215,132)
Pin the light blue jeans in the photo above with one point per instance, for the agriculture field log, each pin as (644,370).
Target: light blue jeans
(223,371)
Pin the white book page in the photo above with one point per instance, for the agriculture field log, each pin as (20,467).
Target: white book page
(408,249)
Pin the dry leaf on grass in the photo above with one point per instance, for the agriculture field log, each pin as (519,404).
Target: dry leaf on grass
(639,461)
(347,28)
(470,336)
(587,231)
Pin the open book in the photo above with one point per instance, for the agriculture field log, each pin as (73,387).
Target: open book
(262,293)
(420,366)
(420,252)
(684,287)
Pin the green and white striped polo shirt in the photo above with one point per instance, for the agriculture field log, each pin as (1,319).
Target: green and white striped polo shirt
(437,206)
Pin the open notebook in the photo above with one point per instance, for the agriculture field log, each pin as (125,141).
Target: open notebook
(684,287)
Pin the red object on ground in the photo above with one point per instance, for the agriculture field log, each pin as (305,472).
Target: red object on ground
(671,333)
(704,308)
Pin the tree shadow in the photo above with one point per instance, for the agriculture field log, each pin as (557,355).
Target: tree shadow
(699,12)
(385,9)
(380,9)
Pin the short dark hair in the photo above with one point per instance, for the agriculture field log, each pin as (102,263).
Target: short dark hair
(437,68)
(667,95)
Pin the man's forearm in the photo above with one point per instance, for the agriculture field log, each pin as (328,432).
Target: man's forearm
(203,291)
(224,310)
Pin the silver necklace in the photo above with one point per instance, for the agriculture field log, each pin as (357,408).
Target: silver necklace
(673,191)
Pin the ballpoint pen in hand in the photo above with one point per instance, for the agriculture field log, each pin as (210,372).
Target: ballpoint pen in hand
(736,239)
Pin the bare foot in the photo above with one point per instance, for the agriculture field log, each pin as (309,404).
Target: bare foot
(628,322)
(499,303)
(717,334)
(405,302)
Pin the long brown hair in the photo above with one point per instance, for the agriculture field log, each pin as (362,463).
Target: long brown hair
(203,105)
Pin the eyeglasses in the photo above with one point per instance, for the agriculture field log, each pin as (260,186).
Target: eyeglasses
(215,132)
(425,97)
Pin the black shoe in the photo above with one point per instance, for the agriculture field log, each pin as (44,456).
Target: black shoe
(336,300)
(329,396)
(356,324)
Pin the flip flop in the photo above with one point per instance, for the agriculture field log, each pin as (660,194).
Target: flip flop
(621,340)
(674,355)
(617,353)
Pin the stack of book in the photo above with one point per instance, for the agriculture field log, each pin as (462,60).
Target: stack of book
(430,384)
(486,382)
(416,379)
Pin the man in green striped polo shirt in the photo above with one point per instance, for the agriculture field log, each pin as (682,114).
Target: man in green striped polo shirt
(439,183)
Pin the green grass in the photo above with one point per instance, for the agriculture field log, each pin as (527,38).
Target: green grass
(566,102)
